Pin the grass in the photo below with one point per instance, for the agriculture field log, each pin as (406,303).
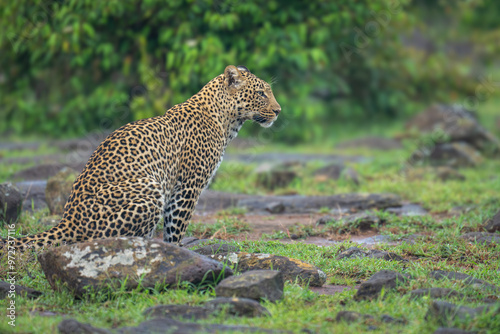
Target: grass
(437,245)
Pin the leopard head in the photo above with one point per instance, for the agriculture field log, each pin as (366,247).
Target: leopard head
(253,97)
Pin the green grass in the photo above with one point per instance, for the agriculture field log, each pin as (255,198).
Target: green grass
(437,246)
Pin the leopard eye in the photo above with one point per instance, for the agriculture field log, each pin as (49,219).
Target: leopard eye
(261,93)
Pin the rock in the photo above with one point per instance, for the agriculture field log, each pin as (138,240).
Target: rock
(186,312)
(351,316)
(105,263)
(445,312)
(306,204)
(275,207)
(50,221)
(216,249)
(391,320)
(371,142)
(191,242)
(456,154)
(408,210)
(292,269)
(7,288)
(272,177)
(241,307)
(335,172)
(383,279)
(482,237)
(442,173)
(33,193)
(71,326)
(160,325)
(354,252)
(440,274)
(11,203)
(363,221)
(493,224)
(58,190)
(455,123)
(443,330)
(436,293)
(255,284)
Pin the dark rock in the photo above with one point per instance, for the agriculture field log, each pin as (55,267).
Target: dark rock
(363,221)
(440,274)
(388,256)
(33,193)
(436,293)
(186,312)
(106,263)
(391,320)
(71,326)
(335,172)
(241,307)
(408,210)
(304,204)
(458,154)
(272,177)
(493,224)
(351,316)
(294,236)
(292,269)
(11,203)
(482,237)
(455,123)
(445,312)
(50,221)
(7,288)
(255,284)
(374,143)
(216,249)
(160,325)
(58,190)
(443,330)
(383,279)
(354,252)
(275,207)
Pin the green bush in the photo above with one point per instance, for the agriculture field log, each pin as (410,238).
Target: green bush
(69,67)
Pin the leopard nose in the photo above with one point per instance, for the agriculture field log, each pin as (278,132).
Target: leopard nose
(277,111)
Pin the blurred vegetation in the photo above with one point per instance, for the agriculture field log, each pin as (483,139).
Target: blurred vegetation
(74,66)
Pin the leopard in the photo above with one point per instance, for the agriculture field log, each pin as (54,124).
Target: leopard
(155,169)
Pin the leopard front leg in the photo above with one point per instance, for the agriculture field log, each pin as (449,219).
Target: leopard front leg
(178,213)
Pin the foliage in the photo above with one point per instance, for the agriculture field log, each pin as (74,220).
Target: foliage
(69,67)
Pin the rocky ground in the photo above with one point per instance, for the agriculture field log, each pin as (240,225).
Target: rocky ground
(357,241)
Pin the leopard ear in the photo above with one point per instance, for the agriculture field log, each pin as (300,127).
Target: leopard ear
(233,79)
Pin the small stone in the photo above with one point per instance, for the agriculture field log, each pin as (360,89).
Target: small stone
(383,279)
(482,238)
(186,312)
(443,330)
(362,221)
(391,320)
(351,316)
(292,269)
(272,177)
(467,279)
(493,224)
(6,288)
(241,307)
(275,207)
(11,203)
(436,293)
(255,284)
(352,253)
(58,189)
(294,236)
(214,249)
(445,312)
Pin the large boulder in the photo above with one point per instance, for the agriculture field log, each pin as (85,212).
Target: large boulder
(293,270)
(58,190)
(11,203)
(255,284)
(108,263)
(455,123)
